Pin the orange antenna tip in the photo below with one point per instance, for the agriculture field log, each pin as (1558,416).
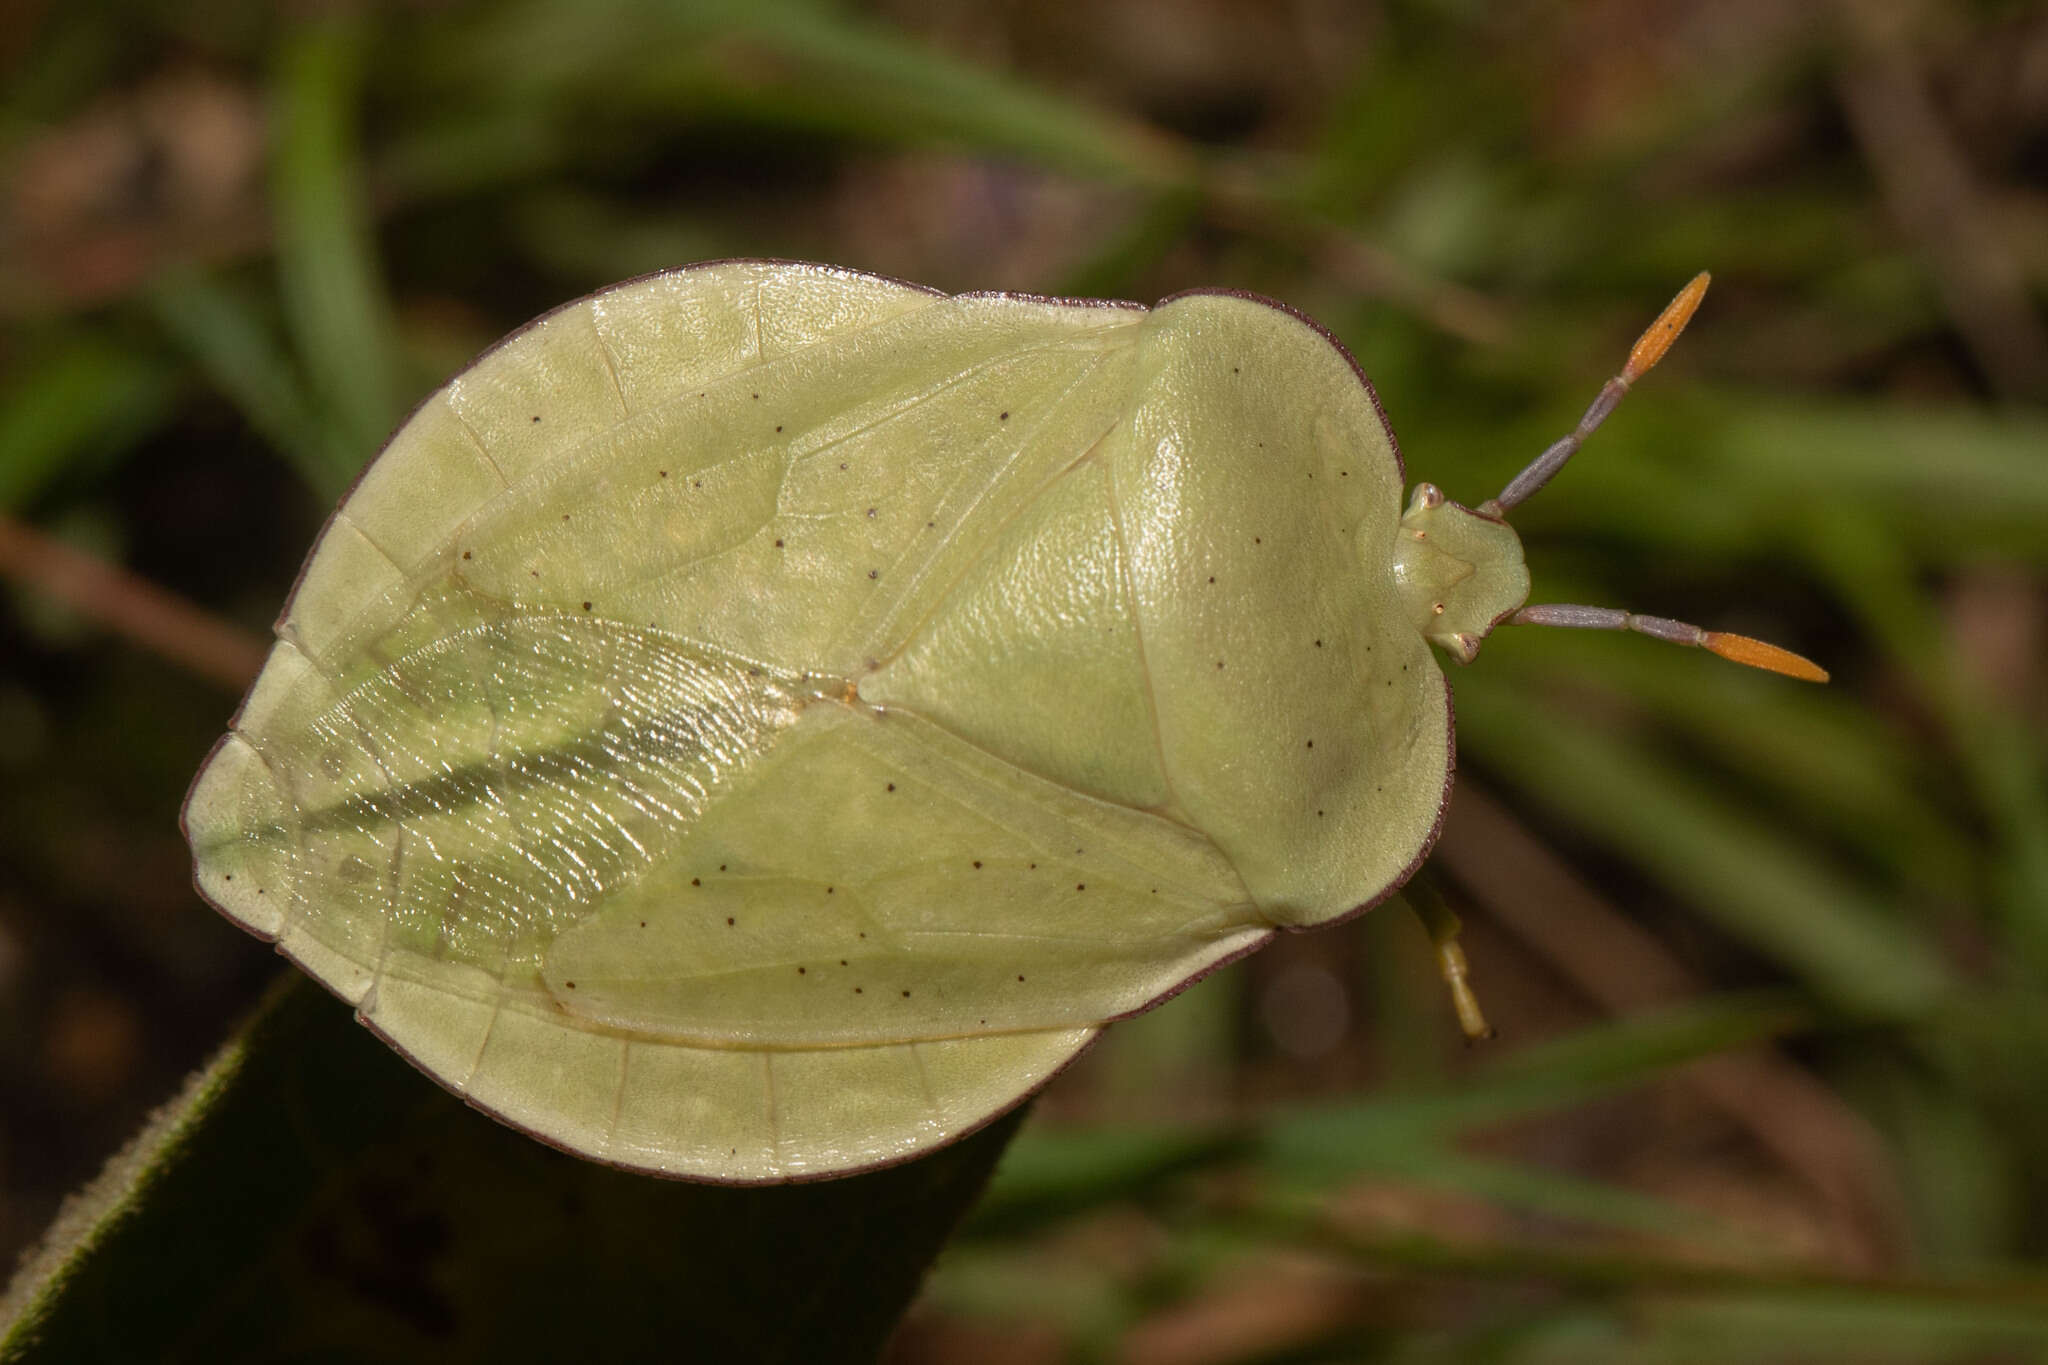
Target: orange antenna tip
(1656,340)
(1758,654)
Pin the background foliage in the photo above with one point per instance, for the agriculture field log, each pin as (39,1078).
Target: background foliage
(1768,962)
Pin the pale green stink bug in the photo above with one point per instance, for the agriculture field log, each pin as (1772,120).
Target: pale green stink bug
(762,720)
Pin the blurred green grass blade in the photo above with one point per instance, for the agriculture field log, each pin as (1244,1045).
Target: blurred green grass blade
(1621,1052)
(239,352)
(1554,1194)
(1956,482)
(1755,882)
(776,63)
(1326,1142)
(916,92)
(2002,755)
(1718,474)
(1966,1125)
(335,304)
(310,1186)
(1823,753)
(1997,1302)
(1051,1173)
(86,396)
(1883,1322)
(1731,471)
(1965,1201)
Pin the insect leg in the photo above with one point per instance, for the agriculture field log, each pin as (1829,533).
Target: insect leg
(1443,925)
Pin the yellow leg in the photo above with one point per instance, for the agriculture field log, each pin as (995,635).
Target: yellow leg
(1443,925)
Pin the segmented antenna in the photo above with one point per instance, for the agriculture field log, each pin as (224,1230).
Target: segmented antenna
(1739,648)
(1642,357)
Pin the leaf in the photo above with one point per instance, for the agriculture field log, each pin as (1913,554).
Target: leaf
(309,1191)
(1767,890)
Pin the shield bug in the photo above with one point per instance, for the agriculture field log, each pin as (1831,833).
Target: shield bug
(762,720)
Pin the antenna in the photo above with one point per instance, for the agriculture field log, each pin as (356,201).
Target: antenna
(1739,648)
(1642,357)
